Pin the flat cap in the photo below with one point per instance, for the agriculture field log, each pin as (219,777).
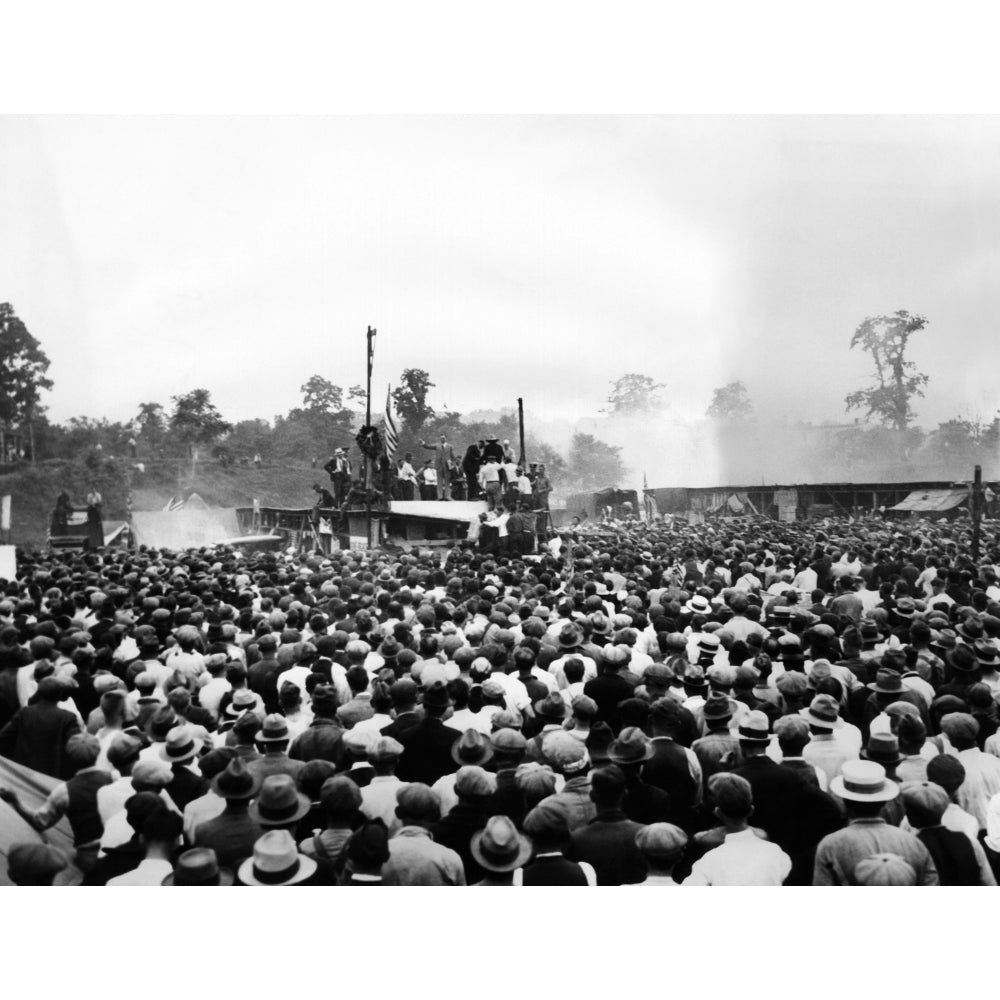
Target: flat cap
(662,840)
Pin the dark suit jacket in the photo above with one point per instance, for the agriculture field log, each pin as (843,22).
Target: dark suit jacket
(553,869)
(608,690)
(322,740)
(608,843)
(668,770)
(455,831)
(401,725)
(953,856)
(791,812)
(646,803)
(186,786)
(427,752)
(36,737)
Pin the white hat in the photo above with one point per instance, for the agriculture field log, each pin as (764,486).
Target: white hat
(276,861)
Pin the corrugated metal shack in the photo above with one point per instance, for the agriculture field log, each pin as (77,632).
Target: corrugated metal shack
(799,501)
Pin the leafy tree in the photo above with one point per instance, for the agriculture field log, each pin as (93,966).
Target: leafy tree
(196,422)
(23,365)
(896,380)
(961,443)
(410,397)
(555,464)
(730,402)
(151,422)
(634,393)
(250,437)
(319,395)
(593,464)
(357,395)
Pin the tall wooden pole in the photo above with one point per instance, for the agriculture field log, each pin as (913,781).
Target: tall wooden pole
(368,423)
(522,460)
(977,509)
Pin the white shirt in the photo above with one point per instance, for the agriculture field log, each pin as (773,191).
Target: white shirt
(445,788)
(296,675)
(742,628)
(150,872)
(378,800)
(557,671)
(191,664)
(742,859)
(982,782)
(201,810)
(210,696)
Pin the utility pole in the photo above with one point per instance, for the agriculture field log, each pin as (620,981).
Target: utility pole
(522,460)
(977,508)
(368,423)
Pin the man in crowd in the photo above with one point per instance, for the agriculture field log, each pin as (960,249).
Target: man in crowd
(575,671)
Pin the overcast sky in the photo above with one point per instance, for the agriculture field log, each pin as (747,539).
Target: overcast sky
(539,257)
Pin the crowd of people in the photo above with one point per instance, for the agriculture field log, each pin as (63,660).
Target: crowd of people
(743,702)
(489,471)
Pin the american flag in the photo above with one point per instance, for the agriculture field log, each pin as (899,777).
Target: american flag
(391,433)
(175,503)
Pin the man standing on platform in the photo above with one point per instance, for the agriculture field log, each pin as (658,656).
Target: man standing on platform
(489,481)
(339,471)
(470,466)
(444,462)
(542,487)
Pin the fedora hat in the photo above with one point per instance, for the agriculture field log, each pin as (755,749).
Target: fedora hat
(823,712)
(971,629)
(600,624)
(986,653)
(570,636)
(870,631)
(199,866)
(883,748)
(274,730)
(717,707)
(755,728)
(631,747)
(276,861)
(181,745)
(499,847)
(694,677)
(552,706)
(436,696)
(279,802)
(944,641)
(886,682)
(236,781)
(962,659)
(863,781)
(243,700)
(472,747)
(905,608)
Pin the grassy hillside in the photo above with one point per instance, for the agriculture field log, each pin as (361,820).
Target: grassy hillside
(33,491)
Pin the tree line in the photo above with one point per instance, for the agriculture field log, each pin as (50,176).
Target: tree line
(191,429)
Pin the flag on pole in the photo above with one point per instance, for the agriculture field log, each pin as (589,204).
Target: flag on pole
(391,433)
